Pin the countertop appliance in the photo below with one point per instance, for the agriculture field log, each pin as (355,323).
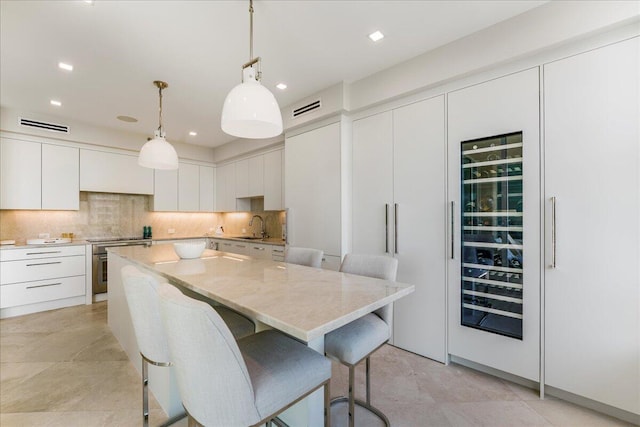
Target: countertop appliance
(99,250)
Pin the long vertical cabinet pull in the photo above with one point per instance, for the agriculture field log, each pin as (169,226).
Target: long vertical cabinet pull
(395,228)
(553,232)
(453,248)
(386,228)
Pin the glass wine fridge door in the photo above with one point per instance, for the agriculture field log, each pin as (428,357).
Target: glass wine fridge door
(491,238)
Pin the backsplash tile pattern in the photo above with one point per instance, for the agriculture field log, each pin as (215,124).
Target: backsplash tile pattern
(107,214)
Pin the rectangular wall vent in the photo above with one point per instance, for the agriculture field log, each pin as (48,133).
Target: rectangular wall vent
(44,125)
(307,108)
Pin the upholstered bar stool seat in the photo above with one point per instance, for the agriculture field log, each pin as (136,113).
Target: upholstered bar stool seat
(366,333)
(357,340)
(141,292)
(227,383)
(304,256)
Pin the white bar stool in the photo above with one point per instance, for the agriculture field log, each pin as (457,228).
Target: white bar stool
(356,341)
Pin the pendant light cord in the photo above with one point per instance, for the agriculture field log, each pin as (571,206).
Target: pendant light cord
(250,30)
(160,113)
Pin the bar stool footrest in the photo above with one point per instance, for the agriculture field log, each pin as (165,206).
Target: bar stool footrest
(364,405)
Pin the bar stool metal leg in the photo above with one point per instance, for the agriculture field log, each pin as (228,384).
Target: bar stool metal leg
(145,392)
(352,401)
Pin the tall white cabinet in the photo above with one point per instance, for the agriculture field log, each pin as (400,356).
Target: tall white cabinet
(399,210)
(592,241)
(316,165)
(494,270)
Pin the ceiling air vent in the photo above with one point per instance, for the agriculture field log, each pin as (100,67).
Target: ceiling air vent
(307,108)
(44,125)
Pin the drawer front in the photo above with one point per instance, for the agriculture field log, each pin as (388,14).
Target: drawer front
(259,251)
(226,246)
(41,269)
(43,290)
(277,254)
(41,252)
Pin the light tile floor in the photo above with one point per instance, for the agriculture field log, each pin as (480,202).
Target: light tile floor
(65,368)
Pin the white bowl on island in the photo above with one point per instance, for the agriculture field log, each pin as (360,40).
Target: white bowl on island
(189,250)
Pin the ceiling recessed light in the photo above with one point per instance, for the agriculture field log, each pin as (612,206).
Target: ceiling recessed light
(56,103)
(192,133)
(127,119)
(376,36)
(281,86)
(64,66)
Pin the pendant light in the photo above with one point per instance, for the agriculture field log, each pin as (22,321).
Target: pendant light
(250,110)
(158,153)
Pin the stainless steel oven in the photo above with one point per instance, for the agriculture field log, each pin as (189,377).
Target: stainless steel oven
(100,246)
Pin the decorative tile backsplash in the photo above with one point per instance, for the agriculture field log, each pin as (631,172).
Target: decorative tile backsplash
(107,215)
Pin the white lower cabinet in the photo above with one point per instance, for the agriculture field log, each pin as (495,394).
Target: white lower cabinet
(592,232)
(494,271)
(259,251)
(399,210)
(42,278)
(277,253)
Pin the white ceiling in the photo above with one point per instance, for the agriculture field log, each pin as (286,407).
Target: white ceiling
(119,47)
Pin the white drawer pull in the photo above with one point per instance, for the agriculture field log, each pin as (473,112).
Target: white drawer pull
(43,286)
(44,263)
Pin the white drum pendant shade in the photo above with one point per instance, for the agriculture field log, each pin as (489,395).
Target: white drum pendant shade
(250,110)
(158,154)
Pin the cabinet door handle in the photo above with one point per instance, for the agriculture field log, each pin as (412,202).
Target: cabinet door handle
(44,286)
(42,253)
(241,246)
(453,210)
(44,263)
(386,228)
(553,232)
(258,249)
(395,228)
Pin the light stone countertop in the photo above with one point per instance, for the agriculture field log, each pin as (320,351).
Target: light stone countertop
(303,302)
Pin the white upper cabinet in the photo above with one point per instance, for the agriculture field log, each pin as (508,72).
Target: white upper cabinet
(250,177)
(60,177)
(494,184)
(20,174)
(256,176)
(242,178)
(207,188)
(313,164)
(113,173)
(592,252)
(273,180)
(165,196)
(188,187)
(38,176)
(225,184)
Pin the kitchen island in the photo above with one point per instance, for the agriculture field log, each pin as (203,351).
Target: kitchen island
(303,302)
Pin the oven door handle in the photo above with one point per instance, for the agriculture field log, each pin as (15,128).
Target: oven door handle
(102,257)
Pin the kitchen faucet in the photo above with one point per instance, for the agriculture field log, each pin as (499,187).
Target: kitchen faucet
(263,232)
